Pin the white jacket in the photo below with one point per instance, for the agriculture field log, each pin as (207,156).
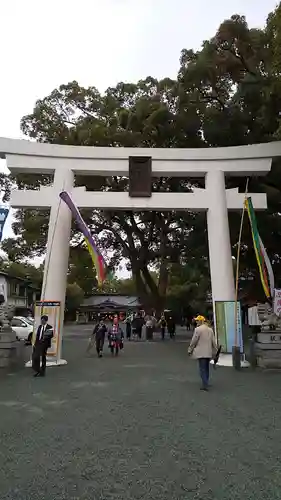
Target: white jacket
(203,342)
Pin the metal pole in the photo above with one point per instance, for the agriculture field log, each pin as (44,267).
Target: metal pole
(236,358)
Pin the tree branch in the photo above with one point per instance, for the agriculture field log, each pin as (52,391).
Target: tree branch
(212,97)
(240,58)
(121,241)
(65,116)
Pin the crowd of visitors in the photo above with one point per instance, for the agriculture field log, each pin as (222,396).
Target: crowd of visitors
(202,346)
(114,334)
(135,324)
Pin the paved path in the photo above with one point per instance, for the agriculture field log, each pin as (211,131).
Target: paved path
(137,427)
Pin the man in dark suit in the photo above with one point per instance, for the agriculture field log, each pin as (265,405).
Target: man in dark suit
(42,343)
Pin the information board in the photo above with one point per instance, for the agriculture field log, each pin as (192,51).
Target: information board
(225,313)
(277,302)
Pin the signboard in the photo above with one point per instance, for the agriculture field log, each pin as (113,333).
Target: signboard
(269,337)
(277,302)
(52,310)
(4,212)
(140,176)
(225,313)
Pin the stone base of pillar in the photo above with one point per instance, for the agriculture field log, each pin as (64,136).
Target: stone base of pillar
(226,360)
(236,358)
(267,349)
(10,352)
(50,362)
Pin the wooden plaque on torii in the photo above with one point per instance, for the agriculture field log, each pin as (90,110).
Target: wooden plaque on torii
(140,176)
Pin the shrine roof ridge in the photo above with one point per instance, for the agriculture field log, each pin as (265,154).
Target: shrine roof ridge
(29,148)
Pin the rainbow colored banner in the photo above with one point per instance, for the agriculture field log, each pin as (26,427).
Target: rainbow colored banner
(97,258)
(265,268)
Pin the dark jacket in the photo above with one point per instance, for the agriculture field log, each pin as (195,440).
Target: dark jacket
(99,331)
(171,325)
(47,336)
(137,323)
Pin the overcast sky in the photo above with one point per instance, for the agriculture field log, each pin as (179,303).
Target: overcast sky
(100,42)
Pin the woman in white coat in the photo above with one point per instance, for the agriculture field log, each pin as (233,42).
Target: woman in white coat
(202,346)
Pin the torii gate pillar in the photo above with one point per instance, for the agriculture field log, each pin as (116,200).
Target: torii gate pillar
(221,264)
(64,162)
(56,262)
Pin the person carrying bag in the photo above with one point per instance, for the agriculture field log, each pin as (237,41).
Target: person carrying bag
(202,347)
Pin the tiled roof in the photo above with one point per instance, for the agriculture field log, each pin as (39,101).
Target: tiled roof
(26,281)
(111,300)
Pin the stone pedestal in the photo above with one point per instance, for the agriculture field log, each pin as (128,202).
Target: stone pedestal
(236,358)
(268,349)
(9,348)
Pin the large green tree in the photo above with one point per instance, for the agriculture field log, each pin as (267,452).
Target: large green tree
(227,93)
(29,272)
(235,81)
(189,290)
(130,115)
(74,299)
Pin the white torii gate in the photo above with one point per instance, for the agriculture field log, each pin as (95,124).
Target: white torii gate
(66,161)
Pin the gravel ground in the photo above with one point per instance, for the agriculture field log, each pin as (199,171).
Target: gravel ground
(137,427)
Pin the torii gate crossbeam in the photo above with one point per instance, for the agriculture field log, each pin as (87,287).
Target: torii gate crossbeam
(67,161)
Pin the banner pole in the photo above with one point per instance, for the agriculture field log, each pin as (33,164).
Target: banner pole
(236,342)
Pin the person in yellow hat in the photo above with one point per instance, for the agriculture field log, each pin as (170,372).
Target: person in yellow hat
(202,345)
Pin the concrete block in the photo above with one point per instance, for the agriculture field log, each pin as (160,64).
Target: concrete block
(20,355)
(8,345)
(270,337)
(8,336)
(5,353)
(269,354)
(5,362)
(268,362)
(268,347)
(11,352)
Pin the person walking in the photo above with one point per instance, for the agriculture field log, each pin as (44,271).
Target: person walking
(202,346)
(171,325)
(115,337)
(137,325)
(43,341)
(149,325)
(163,323)
(194,323)
(128,327)
(99,336)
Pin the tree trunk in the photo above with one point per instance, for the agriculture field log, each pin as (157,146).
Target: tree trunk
(146,288)
(163,278)
(140,286)
(156,299)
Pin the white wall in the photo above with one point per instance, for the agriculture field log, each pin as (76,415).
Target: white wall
(3,287)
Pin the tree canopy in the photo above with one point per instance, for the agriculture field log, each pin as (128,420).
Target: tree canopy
(227,93)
